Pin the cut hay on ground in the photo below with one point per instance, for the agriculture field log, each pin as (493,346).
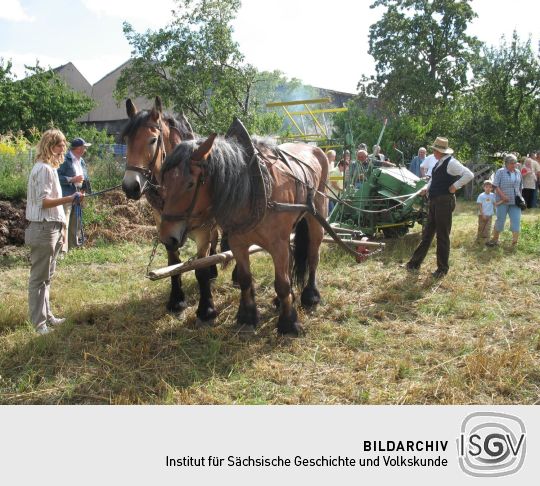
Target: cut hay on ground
(380,336)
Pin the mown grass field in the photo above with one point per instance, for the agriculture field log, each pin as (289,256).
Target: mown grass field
(381,336)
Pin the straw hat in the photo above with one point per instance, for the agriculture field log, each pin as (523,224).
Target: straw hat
(441,145)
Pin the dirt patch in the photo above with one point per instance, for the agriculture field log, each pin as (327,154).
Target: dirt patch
(12,223)
(124,220)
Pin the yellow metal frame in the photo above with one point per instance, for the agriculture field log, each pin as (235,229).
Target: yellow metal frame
(322,137)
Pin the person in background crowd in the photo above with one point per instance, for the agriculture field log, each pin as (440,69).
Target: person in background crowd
(331,155)
(346,160)
(486,209)
(427,166)
(73,176)
(448,176)
(361,167)
(536,157)
(335,179)
(414,166)
(44,235)
(377,155)
(508,184)
(530,169)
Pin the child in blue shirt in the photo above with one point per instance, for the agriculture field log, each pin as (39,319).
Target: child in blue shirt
(486,209)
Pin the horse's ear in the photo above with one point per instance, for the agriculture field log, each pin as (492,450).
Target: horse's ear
(188,131)
(155,114)
(131,109)
(238,131)
(158,105)
(204,149)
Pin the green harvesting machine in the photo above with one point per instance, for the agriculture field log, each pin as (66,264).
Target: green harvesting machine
(379,199)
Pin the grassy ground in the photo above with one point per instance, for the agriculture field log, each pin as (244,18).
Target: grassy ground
(381,336)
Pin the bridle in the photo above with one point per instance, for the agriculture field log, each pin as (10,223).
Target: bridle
(188,214)
(147,172)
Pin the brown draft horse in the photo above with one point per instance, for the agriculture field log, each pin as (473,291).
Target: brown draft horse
(241,185)
(150,135)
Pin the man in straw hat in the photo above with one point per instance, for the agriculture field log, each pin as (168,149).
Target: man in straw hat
(448,176)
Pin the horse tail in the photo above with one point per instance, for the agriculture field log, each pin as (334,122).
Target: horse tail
(300,253)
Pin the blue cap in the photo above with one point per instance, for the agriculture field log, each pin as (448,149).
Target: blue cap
(79,142)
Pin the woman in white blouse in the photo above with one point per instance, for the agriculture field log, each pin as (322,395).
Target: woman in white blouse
(45,232)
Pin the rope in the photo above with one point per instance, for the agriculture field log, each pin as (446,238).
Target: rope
(103,191)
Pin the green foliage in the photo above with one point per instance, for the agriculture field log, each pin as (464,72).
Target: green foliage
(436,33)
(105,171)
(432,93)
(365,126)
(501,112)
(94,213)
(16,160)
(197,68)
(530,236)
(39,101)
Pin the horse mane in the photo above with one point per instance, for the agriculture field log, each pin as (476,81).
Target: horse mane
(141,118)
(228,172)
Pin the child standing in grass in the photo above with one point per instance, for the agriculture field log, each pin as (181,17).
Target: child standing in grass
(486,209)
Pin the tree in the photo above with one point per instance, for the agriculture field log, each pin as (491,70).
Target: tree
(196,67)
(363,123)
(422,54)
(502,111)
(38,101)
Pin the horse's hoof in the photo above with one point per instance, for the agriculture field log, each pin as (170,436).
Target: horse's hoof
(292,330)
(310,297)
(245,330)
(202,324)
(248,316)
(176,307)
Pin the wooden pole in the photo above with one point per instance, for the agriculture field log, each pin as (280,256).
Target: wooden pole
(367,244)
(179,268)
(227,256)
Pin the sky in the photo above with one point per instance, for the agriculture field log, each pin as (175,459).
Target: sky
(325,44)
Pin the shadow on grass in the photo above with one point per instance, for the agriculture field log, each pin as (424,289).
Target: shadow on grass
(130,352)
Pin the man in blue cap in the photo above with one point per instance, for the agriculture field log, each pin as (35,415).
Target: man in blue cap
(73,176)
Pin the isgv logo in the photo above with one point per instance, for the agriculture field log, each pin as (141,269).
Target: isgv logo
(491,444)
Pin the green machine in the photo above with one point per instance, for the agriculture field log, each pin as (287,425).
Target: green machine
(379,199)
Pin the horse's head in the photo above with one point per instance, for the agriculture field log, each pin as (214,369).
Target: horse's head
(185,190)
(149,136)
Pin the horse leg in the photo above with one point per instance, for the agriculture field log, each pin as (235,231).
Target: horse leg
(288,317)
(177,301)
(310,295)
(226,247)
(206,312)
(247,316)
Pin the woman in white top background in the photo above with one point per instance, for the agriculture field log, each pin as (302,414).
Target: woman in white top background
(45,232)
